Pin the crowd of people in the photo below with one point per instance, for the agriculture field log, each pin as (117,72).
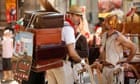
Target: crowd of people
(104,50)
(102,53)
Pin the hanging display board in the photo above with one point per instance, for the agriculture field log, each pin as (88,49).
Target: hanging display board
(11,14)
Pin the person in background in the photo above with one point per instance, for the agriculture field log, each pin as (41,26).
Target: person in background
(83,26)
(82,50)
(111,51)
(7,53)
(95,42)
(81,44)
(94,52)
(64,74)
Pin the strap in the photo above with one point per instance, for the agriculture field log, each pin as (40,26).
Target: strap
(31,21)
(34,16)
(78,37)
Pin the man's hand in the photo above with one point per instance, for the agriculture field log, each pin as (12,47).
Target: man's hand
(83,62)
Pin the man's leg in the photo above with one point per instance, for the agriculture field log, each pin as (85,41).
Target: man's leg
(51,77)
(108,74)
(69,76)
(61,75)
(35,78)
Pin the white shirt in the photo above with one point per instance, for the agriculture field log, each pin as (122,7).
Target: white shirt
(7,47)
(68,34)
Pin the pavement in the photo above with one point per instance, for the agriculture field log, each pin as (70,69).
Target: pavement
(9,82)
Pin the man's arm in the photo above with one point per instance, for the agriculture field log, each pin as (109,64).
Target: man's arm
(128,44)
(69,38)
(72,53)
(102,53)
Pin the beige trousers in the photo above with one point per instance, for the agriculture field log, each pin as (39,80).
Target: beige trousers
(109,76)
(61,75)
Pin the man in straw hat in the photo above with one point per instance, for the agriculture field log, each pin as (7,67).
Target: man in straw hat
(76,14)
(113,43)
(64,75)
(79,11)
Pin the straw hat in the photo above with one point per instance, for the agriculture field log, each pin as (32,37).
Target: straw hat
(75,9)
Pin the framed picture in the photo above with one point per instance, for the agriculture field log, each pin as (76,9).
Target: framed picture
(22,59)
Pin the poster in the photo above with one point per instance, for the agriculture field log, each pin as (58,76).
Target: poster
(22,59)
(11,11)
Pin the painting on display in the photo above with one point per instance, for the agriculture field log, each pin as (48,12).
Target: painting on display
(22,59)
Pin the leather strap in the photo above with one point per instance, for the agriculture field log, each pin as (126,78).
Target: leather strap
(78,37)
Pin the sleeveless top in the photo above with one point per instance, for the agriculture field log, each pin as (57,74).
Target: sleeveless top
(113,50)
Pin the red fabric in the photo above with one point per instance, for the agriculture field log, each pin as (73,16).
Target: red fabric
(87,35)
(17,27)
(8,17)
(72,24)
(96,27)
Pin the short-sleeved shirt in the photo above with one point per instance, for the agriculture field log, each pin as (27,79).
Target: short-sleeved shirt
(7,47)
(68,34)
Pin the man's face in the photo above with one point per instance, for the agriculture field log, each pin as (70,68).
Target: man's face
(110,22)
(75,19)
(106,25)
